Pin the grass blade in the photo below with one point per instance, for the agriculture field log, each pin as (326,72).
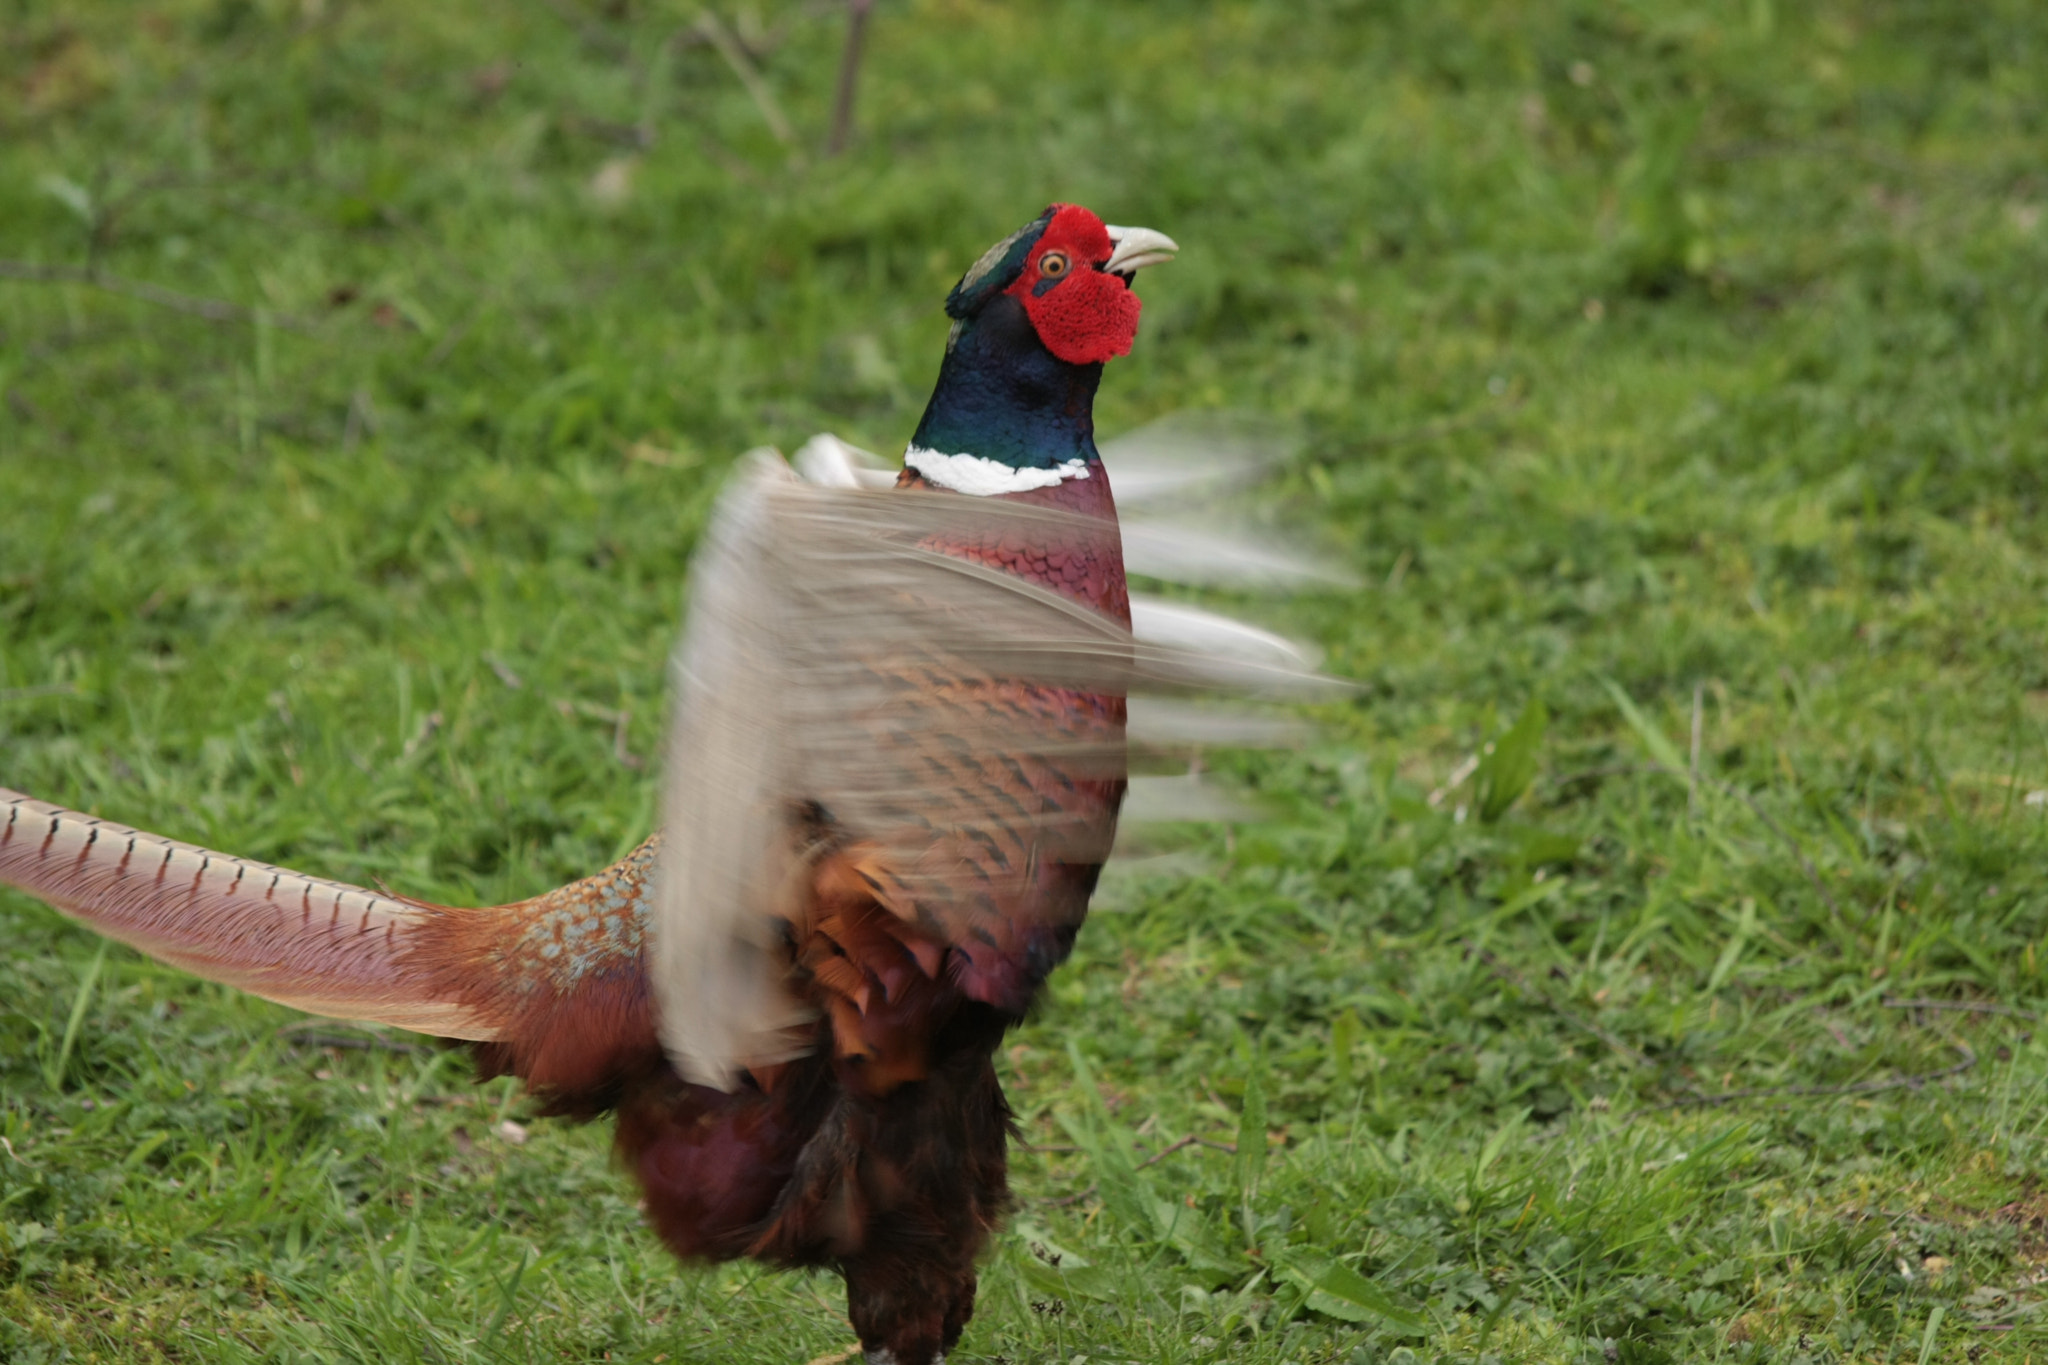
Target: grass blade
(53,1074)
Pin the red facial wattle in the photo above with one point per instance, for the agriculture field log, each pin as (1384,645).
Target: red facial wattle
(1082,313)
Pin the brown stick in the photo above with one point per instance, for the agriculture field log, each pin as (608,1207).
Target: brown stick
(849,75)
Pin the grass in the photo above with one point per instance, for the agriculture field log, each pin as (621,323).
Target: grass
(1674,377)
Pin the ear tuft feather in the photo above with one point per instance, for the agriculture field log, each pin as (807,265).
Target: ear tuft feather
(997,269)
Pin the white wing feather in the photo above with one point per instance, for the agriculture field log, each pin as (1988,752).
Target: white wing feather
(1173,481)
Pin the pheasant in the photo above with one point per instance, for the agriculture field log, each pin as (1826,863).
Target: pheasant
(895,772)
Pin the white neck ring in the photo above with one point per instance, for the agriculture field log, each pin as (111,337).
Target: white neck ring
(980,477)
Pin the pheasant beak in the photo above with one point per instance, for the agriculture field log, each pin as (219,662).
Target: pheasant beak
(1133,248)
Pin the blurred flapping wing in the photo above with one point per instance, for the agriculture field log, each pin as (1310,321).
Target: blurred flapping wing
(847,687)
(1179,483)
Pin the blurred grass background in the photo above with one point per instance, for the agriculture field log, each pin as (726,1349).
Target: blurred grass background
(1674,379)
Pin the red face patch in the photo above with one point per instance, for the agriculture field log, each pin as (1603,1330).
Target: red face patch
(1083,314)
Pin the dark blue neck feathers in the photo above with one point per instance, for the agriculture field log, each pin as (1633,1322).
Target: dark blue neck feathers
(1001,395)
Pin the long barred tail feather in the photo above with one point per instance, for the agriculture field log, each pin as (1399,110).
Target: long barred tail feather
(321,946)
(552,989)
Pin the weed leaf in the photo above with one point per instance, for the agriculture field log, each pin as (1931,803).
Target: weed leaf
(1509,766)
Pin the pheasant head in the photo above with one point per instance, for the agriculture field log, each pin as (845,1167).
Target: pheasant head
(1033,323)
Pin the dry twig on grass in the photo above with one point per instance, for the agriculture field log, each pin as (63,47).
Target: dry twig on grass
(849,75)
(1892,1002)
(213,310)
(1913,1082)
(1190,1141)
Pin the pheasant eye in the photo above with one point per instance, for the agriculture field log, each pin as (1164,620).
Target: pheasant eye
(1053,264)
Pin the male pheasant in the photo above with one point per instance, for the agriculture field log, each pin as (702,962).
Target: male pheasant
(895,773)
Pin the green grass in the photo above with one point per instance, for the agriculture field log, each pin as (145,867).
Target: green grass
(1678,367)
